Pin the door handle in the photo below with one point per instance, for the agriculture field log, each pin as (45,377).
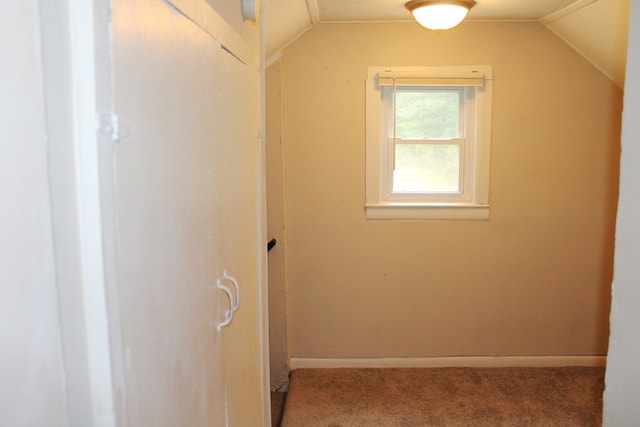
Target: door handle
(229,314)
(233,280)
(233,305)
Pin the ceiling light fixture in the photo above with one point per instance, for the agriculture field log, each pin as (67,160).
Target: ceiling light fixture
(439,14)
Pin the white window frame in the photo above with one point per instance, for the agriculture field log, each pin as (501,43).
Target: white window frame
(470,204)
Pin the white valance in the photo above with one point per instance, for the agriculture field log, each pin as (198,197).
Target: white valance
(472,78)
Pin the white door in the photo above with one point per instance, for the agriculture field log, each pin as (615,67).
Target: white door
(240,232)
(185,194)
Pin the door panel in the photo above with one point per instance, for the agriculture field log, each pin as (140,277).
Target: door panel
(240,244)
(185,199)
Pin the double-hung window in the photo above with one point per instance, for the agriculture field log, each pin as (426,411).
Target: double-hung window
(428,133)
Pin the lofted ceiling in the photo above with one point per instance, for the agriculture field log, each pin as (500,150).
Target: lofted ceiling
(597,29)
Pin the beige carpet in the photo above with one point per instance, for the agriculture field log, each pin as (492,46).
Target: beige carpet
(567,396)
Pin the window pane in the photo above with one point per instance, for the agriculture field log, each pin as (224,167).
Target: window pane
(427,113)
(426,168)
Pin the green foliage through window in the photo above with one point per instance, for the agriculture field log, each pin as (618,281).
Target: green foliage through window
(428,113)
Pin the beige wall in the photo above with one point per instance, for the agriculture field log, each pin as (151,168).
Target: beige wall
(533,280)
(275,228)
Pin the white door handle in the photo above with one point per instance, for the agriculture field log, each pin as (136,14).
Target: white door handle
(229,314)
(233,280)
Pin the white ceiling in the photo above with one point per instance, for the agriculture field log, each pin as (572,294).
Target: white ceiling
(394,10)
(597,29)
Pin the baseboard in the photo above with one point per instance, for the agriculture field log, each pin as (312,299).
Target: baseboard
(440,362)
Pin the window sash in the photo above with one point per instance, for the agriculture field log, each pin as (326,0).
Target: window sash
(389,97)
(394,142)
(466,161)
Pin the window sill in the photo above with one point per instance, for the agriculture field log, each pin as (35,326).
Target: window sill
(413,212)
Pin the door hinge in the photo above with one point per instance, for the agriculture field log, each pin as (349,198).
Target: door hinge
(116,129)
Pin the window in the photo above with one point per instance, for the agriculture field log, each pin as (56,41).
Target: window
(428,142)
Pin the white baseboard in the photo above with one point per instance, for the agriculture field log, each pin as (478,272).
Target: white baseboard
(441,362)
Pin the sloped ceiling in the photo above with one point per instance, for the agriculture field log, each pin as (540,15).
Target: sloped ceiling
(597,29)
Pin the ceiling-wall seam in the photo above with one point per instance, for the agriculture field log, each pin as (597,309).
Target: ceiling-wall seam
(587,58)
(314,11)
(567,10)
(277,54)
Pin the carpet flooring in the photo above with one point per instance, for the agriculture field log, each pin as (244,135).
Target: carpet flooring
(564,396)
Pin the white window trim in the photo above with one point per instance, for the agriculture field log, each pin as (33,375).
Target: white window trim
(380,206)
